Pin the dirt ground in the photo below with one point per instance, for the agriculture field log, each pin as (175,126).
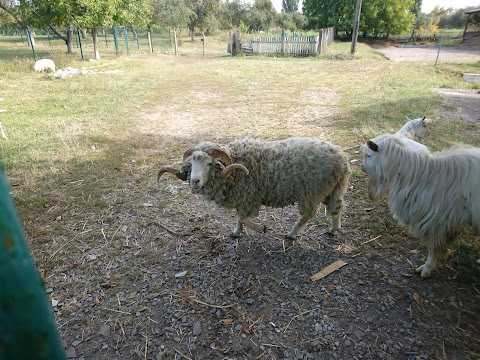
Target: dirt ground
(429,54)
(153,277)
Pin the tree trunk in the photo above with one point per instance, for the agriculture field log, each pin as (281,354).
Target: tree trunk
(191,29)
(32,36)
(70,39)
(95,43)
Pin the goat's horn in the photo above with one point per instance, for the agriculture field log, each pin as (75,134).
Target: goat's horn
(172,170)
(187,153)
(221,154)
(226,172)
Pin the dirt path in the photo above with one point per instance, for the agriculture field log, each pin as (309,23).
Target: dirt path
(429,54)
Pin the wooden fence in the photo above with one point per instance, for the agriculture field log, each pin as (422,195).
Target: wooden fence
(294,46)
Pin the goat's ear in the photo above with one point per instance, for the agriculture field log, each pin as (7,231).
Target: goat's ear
(372,145)
(407,119)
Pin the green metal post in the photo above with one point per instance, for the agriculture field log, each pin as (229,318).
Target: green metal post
(27,326)
(126,39)
(80,42)
(115,41)
(31,43)
(439,48)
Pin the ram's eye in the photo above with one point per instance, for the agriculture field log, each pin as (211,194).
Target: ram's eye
(209,164)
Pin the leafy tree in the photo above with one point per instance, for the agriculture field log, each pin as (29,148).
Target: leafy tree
(204,15)
(291,21)
(170,13)
(233,14)
(453,19)
(7,20)
(262,15)
(328,13)
(290,6)
(94,14)
(377,16)
(387,17)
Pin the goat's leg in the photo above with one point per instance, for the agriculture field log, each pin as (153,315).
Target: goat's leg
(425,270)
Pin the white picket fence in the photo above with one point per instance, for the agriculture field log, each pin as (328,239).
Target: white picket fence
(297,46)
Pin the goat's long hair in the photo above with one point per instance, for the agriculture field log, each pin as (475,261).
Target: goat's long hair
(433,195)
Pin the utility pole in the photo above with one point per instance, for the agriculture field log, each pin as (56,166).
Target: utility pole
(358,9)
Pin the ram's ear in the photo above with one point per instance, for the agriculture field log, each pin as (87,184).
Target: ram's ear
(407,119)
(187,153)
(372,145)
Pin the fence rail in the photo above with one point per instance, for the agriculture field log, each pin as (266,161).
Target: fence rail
(293,46)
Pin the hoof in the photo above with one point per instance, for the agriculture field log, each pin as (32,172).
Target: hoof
(424,271)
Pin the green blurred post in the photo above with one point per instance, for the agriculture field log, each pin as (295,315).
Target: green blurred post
(27,326)
(439,48)
(115,41)
(126,39)
(80,42)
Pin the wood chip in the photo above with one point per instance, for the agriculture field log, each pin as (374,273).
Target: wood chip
(328,270)
(418,299)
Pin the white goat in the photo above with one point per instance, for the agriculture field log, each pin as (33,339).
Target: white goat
(44,65)
(247,173)
(433,195)
(416,129)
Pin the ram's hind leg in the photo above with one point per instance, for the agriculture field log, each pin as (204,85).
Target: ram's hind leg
(307,211)
(334,209)
(334,206)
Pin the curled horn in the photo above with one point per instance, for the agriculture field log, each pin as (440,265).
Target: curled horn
(172,170)
(372,145)
(226,172)
(222,155)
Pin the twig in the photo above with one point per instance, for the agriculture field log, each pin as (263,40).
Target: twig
(171,231)
(306,312)
(190,299)
(182,355)
(115,233)
(3,132)
(117,311)
(366,242)
(146,347)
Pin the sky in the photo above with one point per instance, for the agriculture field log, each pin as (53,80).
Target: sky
(427,5)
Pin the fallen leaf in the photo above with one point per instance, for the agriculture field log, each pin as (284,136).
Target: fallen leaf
(330,288)
(227,321)
(418,299)
(96,301)
(186,298)
(109,285)
(361,282)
